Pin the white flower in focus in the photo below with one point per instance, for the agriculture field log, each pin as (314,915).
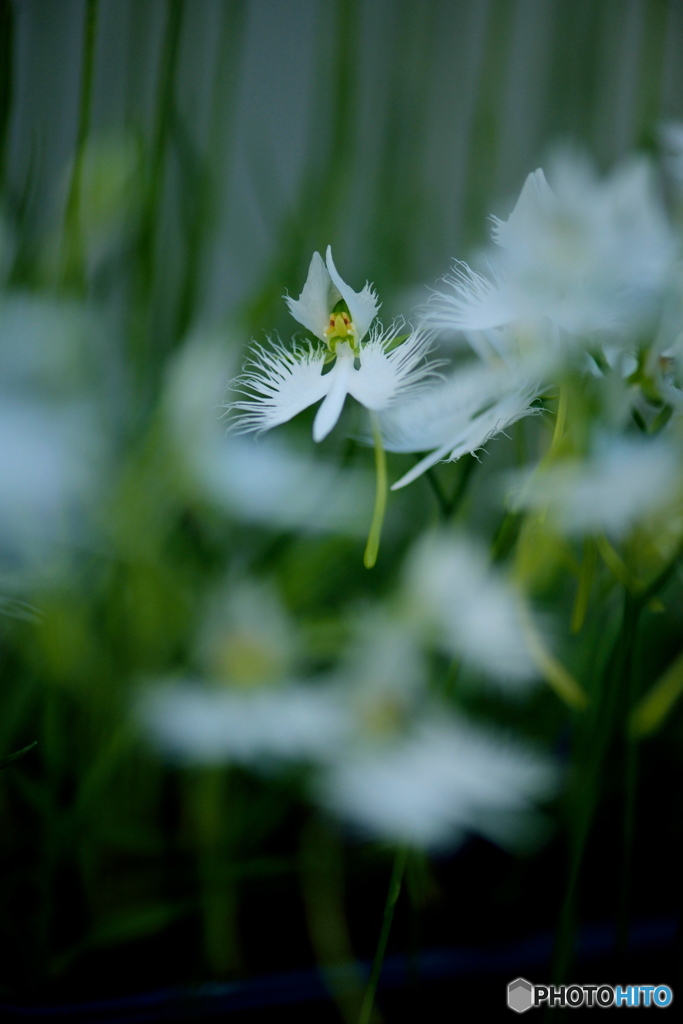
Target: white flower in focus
(456,417)
(620,483)
(280,382)
(436,783)
(472,609)
(587,255)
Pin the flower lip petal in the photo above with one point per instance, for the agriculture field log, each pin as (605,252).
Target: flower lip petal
(338,384)
(363,306)
(317,300)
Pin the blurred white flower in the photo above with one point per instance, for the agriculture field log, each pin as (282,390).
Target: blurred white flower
(247,638)
(383,673)
(53,445)
(621,482)
(197,724)
(49,468)
(432,785)
(471,608)
(585,256)
(249,708)
(456,417)
(280,382)
(671,136)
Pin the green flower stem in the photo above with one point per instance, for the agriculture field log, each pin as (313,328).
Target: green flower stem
(561,418)
(448,506)
(143,356)
(470,463)
(597,730)
(389,907)
(372,547)
(648,592)
(74,268)
(322,881)
(435,484)
(555,674)
(619,711)
(211,792)
(201,200)
(650,712)
(586,576)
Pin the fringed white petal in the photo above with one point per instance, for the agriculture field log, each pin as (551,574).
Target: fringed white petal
(387,374)
(455,419)
(536,199)
(317,300)
(278,384)
(476,303)
(363,305)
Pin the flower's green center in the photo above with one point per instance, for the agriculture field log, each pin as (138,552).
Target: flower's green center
(341,328)
(244,662)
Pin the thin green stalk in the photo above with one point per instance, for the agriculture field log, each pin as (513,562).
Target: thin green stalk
(322,878)
(600,727)
(583,592)
(561,419)
(372,546)
(389,907)
(438,490)
(630,799)
(142,304)
(448,506)
(202,194)
(468,467)
(628,832)
(219,891)
(645,595)
(74,268)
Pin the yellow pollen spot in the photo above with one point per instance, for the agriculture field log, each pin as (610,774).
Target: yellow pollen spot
(339,327)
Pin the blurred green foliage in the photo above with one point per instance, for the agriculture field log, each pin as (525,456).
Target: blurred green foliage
(167,169)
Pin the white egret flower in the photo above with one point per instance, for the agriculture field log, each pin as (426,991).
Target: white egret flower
(250,707)
(472,610)
(456,417)
(53,442)
(671,138)
(587,255)
(620,483)
(279,382)
(196,724)
(440,780)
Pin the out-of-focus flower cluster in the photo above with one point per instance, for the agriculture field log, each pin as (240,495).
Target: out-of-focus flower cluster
(571,318)
(567,332)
